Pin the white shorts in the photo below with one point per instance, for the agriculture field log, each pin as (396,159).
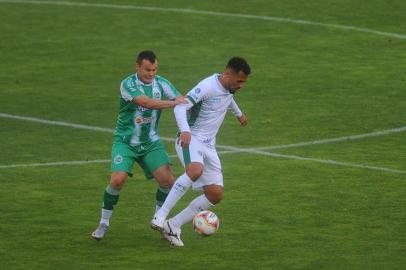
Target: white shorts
(201,153)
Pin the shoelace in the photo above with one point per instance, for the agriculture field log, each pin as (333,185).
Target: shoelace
(171,232)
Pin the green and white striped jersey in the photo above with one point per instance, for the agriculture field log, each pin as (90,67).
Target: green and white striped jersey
(135,124)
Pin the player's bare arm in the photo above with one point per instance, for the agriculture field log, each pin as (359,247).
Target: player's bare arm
(150,103)
(185,138)
(181,100)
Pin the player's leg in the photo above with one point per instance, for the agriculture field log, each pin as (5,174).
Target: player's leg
(211,181)
(112,194)
(212,196)
(156,164)
(110,199)
(121,165)
(172,227)
(213,193)
(192,158)
(164,177)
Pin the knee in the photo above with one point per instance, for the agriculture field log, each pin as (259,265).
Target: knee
(167,181)
(164,177)
(215,195)
(118,179)
(194,170)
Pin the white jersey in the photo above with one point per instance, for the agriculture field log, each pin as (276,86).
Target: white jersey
(205,112)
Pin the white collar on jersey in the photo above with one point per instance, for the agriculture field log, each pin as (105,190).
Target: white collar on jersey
(139,82)
(217,76)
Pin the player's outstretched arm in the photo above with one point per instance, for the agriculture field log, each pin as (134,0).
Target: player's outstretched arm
(150,103)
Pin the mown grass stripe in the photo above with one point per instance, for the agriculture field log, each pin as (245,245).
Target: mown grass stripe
(212,13)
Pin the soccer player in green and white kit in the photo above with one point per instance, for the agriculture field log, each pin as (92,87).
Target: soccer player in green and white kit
(136,136)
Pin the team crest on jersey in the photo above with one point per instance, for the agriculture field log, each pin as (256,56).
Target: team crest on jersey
(157,95)
(118,159)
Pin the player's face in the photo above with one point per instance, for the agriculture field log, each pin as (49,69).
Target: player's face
(236,81)
(146,71)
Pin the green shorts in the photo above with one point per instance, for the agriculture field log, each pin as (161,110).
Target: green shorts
(150,156)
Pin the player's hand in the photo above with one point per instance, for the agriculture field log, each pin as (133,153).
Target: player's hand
(243,120)
(180,100)
(185,138)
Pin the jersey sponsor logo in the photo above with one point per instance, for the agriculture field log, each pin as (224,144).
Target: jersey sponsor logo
(143,120)
(197,90)
(214,100)
(208,140)
(118,159)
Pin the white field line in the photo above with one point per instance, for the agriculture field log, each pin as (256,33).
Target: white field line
(233,150)
(64,124)
(331,162)
(230,149)
(210,13)
(61,163)
(331,140)
(55,123)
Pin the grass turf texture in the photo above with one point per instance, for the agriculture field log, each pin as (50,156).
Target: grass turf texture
(308,83)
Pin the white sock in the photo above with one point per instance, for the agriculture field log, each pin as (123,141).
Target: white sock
(201,203)
(181,185)
(105,216)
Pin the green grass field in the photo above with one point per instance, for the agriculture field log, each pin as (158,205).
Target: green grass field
(327,205)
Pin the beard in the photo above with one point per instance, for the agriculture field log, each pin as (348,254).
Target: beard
(232,91)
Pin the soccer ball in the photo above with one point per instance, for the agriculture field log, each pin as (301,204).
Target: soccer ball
(206,223)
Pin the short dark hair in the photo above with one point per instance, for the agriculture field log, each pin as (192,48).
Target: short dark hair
(238,64)
(147,55)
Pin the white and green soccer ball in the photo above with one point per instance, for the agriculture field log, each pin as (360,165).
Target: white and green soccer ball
(206,223)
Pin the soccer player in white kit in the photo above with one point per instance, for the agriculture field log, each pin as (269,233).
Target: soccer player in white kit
(199,122)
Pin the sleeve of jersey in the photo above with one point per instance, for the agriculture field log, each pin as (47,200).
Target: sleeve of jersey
(181,116)
(169,91)
(197,93)
(234,108)
(129,92)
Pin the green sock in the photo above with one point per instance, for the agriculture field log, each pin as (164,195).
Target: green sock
(161,194)
(110,198)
